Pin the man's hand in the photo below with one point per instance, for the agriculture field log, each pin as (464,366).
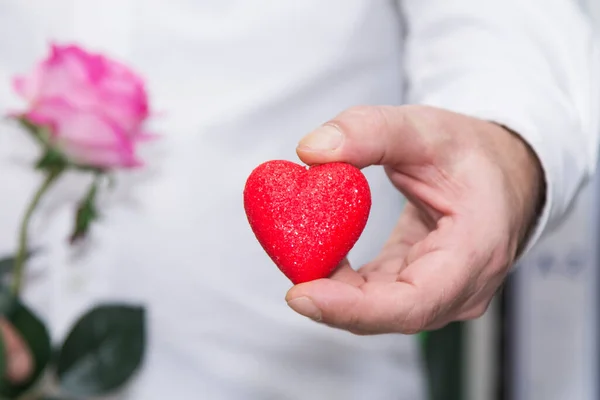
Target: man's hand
(474,190)
(19,361)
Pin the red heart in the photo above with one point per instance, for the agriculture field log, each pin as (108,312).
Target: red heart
(307,219)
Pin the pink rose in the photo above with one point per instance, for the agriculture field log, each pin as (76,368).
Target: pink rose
(94,107)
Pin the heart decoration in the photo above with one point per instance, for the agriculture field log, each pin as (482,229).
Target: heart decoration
(307,219)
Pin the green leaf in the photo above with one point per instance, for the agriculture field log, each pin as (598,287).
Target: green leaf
(86,213)
(41,134)
(52,159)
(34,333)
(55,398)
(7,263)
(35,131)
(103,350)
(8,302)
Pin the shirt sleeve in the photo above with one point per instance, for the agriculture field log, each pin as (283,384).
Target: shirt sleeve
(532,66)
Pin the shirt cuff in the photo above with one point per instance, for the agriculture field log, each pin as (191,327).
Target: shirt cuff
(541,117)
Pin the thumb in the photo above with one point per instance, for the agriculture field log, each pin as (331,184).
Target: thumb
(366,135)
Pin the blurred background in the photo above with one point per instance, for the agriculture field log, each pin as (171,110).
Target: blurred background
(540,338)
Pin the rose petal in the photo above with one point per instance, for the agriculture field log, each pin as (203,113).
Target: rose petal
(89,139)
(99,85)
(89,102)
(85,138)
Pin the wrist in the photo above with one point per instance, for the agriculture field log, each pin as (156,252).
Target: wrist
(526,184)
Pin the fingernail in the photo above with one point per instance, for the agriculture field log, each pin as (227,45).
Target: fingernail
(325,138)
(306,307)
(18,366)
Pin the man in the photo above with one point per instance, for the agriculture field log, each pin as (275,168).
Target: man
(503,135)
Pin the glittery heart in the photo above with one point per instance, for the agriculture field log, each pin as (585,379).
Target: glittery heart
(307,219)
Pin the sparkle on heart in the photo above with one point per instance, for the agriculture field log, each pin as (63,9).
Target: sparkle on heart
(307,219)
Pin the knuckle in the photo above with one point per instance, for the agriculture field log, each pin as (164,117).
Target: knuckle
(361,111)
(361,118)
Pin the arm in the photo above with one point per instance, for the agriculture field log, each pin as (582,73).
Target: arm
(480,70)
(532,66)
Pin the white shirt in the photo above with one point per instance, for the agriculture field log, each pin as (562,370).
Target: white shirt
(240,82)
